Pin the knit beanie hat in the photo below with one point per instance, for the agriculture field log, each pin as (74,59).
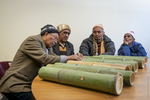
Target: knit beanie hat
(49,29)
(63,27)
(132,33)
(98,25)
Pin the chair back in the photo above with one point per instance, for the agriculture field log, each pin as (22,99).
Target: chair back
(4,65)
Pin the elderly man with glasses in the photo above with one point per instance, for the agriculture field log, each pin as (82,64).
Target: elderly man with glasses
(35,52)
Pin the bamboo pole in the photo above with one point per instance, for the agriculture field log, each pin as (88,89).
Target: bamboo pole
(128,76)
(134,64)
(96,81)
(116,66)
(142,61)
(86,68)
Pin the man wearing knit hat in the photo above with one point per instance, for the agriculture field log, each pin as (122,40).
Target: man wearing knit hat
(63,47)
(34,52)
(130,47)
(98,43)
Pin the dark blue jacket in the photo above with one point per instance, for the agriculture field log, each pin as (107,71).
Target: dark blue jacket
(135,50)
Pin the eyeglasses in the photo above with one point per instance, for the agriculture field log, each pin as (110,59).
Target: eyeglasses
(56,38)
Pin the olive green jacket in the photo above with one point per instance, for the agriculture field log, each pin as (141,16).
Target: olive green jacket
(30,57)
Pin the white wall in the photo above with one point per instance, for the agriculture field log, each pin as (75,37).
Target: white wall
(22,18)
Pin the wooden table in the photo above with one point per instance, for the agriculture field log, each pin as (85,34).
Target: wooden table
(45,90)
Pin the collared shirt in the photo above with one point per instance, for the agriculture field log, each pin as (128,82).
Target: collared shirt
(62,49)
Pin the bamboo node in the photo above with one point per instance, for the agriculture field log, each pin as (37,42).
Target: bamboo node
(82,78)
(123,59)
(98,70)
(76,64)
(103,57)
(61,66)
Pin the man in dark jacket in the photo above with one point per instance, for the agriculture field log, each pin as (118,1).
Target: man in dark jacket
(63,47)
(98,43)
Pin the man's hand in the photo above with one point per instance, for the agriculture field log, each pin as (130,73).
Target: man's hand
(75,57)
(125,42)
(80,55)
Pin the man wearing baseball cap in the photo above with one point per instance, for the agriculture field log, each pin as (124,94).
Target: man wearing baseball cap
(63,46)
(130,47)
(34,52)
(98,43)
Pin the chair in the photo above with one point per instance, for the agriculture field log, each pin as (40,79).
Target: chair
(4,65)
(2,97)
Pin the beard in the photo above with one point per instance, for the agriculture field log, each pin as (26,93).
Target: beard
(99,40)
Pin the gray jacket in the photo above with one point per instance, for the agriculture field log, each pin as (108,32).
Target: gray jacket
(86,47)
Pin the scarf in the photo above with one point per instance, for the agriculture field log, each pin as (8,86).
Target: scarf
(95,46)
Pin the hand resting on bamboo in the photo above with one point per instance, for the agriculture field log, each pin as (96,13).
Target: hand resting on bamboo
(77,57)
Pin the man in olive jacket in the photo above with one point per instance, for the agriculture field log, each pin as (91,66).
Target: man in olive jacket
(98,43)
(33,53)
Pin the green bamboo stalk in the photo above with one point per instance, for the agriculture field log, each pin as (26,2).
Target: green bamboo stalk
(101,82)
(85,68)
(142,61)
(134,58)
(128,76)
(134,64)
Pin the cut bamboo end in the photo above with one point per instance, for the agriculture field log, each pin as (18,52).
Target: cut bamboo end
(127,68)
(130,66)
(120,74)
(119,85)
(136,67)
(146,60)
(143,64)
(132,78)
